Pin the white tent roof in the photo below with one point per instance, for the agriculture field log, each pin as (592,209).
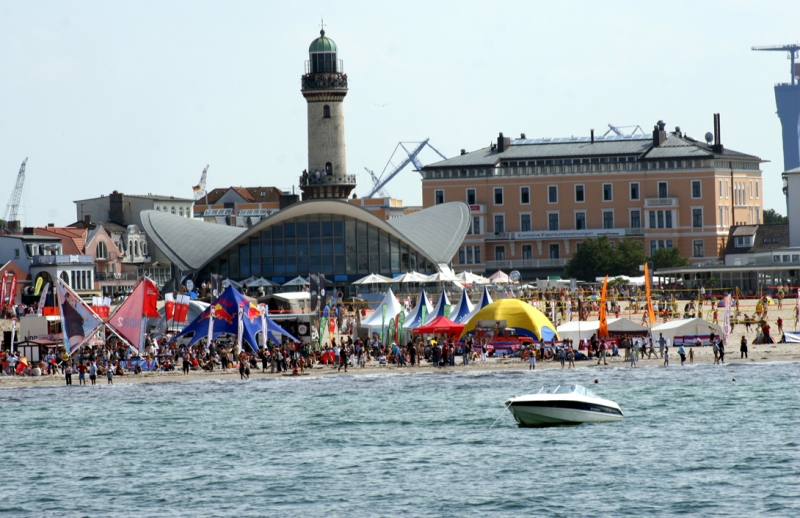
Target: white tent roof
(373,278)
(583,330)
(393,307)
(687,327)
(471,278)
(499,277)
(297,281)
(463,308)
(414,318)
(411,277)
(442,277)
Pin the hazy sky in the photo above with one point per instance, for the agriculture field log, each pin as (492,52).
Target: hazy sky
(140,96)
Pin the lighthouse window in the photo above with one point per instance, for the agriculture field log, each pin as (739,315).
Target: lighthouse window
(329,168)
(326,112)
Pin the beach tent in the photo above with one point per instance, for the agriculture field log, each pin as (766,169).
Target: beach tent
(499,277)
(484,301)
(377,320)
(471,278)
(438,310)
(439,325)
(461,311)
(414,318)
(373,278)
(521,316)
(584,330)
(442,277)
(686,331)
(297,281)
(410,277)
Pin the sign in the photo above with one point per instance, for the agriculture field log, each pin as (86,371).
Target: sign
(514,276)
(491,324)
(569,234)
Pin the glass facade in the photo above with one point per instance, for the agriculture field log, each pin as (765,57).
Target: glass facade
(336,246)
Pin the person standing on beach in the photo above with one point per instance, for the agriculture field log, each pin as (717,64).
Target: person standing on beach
(682,354)
(601,352)
(652,350)
(743,347)
(570,357)
(531,358)
(691,355)
(465,351)
(81,374)
(68,373)
(721,351)
(666,357)
(93,372)
(662,343)
(484,348)
(343,358)
(562,356)
(110,373)
(715,346)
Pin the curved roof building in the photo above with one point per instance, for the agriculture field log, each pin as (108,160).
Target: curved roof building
(333,237)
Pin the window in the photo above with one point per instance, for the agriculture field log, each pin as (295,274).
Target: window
(727,192)
(438,197)
(527,252)
(668,214)
(758,211)
(756,189)
(525,195)
(698,249)
(326,112)
(580,221)
(580,195)
(476,225)
(469,255)
(477,255)
(499,253)
(462,256)
(660,218)
(636,219)
(524,222)
(720,189)
(634,191)
(471,198)
(696,191)
(554,252)
(697,218)
(552,194)
(653,247)
(498,195)
(744,241)
(552,221)
(101,252)
(662,190)
(608,219)
(499,224)
(607,192)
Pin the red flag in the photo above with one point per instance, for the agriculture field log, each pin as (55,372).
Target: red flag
(12,292)
(127,319)
(150,307)
(181,308)
(651,316)
(603,331)
(3,289)
(169,306)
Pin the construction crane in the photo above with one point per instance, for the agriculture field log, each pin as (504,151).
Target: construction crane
(411,158)
(791,49)
(200,189)
(12,209)
(382,193)
(618,132)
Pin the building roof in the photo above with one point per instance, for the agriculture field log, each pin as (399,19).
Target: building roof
(73,239)
(187,243)
(765,238)
(641,146)
(438,231)
(248,194)
(154,197)
(322,44)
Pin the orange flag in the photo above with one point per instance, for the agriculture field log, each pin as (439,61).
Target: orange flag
(603,331)
(651,316)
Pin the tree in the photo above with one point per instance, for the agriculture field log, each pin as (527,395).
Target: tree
(668,258)
(630,255)
(594,258)
(775,218)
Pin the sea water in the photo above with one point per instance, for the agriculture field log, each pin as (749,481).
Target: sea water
(692,442)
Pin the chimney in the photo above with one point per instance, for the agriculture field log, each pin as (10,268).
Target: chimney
(463,151)
(502,143)
(522,136)
(659,134)
(27,231)
(87,218)
(717,147)
(591,132)
(51,225)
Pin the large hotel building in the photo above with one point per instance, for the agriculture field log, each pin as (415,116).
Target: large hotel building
(533,201)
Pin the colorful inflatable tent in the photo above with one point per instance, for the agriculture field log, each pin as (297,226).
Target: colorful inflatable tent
(521,316)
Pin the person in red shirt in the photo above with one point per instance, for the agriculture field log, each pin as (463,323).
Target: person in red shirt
(767,339)
(780,326)
(82,373)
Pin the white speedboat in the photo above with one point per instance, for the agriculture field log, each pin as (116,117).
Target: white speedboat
(561,405)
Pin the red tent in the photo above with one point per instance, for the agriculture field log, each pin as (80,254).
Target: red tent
(439,325)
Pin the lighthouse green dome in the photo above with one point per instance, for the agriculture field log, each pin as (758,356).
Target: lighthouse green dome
(322,44)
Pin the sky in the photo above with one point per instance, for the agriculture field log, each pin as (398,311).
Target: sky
(140,96)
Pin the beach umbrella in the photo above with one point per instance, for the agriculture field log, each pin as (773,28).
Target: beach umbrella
(410,277)
(297,281)
(499,277)
(518,315)
(373,279)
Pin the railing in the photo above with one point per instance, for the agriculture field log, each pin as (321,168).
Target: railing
(48,260)
(328,178)
(634,231)
(325,81)
(661,202)
(526,263)
(109,276)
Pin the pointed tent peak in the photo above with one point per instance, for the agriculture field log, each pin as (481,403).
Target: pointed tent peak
(392,306)
(373,278)
(297,281)
(499,277)
(461,311)
(486,299)
(438,310)
(414,318)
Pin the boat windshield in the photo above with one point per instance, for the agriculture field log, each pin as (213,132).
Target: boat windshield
(564,389)
(589,393)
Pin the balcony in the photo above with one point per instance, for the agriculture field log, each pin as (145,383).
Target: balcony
(525,263)
(115,277)
(325,81)
(661,202)
(634,231)
(52,260)
(328,179)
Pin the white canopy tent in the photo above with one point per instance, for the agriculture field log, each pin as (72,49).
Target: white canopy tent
(410,277)
(471,278)
(262,282)
(373,278)
(297,281)
(499,277)
(690,327)
(583,330)
(392,306)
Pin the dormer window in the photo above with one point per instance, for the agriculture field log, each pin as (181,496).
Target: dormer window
(744,241)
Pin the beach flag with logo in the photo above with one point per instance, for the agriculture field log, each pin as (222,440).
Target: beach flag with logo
(78,320)
(128,320)
(43,299)
(12,291)
(101,306)
(181,308)
(169,306)
(602,332)
(651,316)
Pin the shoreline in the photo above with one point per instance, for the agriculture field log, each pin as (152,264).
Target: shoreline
(703,355)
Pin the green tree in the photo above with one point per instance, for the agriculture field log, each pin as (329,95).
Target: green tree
(775,218)
(668,258)
(629,256)
(594,258)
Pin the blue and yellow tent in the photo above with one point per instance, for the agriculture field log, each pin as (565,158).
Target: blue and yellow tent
(518,315)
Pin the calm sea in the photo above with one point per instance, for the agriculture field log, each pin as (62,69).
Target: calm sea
(692,443)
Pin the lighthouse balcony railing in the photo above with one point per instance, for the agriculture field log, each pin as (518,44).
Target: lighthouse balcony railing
(325,178)
(324,81)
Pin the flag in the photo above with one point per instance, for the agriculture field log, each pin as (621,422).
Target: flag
(210,336)
(38,288)
(43,299)
(196,188)
(101,306)
(13,332)
(240,330)
(12,291)
(78,320)
(313,288)
(553,311)
(602,332)
(150,304)
(569,310)
(181,308)
(128,320)
(727,328)
(3,290)
(169,306)
(323,294)
(651,316)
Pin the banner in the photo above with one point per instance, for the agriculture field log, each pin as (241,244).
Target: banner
(3,290)
(13,332)
(181,308)
(150,307)
(127,319)
(240,330)
(78,321)
(12,291)
(323,294)
(602,332)
(553,312)
(169,306)
(313,288)
(727,328)
(101,306)
(569,310)
(43,299)
(651,316)
(38,288)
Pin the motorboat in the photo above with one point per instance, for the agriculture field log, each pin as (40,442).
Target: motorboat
(563,405)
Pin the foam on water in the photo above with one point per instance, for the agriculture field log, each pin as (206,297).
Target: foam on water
(692,442)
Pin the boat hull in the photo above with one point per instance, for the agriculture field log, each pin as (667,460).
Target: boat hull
(547,413)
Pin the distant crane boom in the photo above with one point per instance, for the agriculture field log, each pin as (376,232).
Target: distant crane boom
(200,189)
(791,49)
(411,158)
(12,209)
(375,181)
